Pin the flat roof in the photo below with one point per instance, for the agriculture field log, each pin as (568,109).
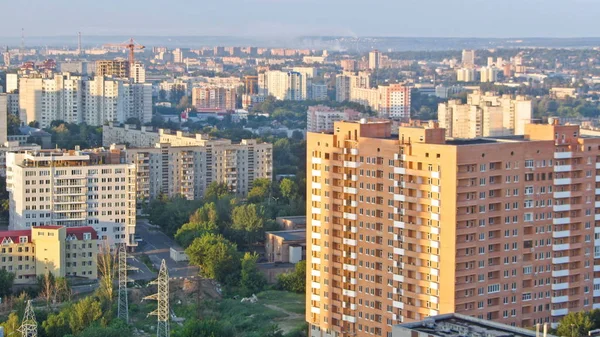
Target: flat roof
(467,141)
(457,325)
(291,235)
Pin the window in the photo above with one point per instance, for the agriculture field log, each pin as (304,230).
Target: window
(493,288)
(529,163)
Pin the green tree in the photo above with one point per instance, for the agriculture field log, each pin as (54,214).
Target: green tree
(216,256)
(260,191)
(6,282)
(117,328)
(216,191)
(252,280)
(13,124)
(248,223)
(11,325)
(203,328)
(46,286)
(575,324)
(84,313)
(192,230)
(289,188)
(294,281)
(57,324)
(135,121)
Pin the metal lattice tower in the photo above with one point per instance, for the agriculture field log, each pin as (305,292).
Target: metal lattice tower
(123,308)
(28,326)
(162,297)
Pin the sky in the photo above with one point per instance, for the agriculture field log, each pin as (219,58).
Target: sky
(281,18)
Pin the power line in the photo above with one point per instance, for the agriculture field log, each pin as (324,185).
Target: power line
(28,326)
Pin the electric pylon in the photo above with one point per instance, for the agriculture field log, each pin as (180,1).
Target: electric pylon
(123,308)
(28,326)
(162,297)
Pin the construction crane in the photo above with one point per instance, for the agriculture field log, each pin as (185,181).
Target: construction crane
(131,45)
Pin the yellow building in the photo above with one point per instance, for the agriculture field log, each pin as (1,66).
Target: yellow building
(62,251)
(403,228)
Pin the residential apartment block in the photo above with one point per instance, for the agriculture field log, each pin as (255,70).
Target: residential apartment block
(283,85)
(62,251)
(214,98)
(485,115)
(175,163)
(77,99)
(114,68)
(73,189)
(320,118)
(407,227)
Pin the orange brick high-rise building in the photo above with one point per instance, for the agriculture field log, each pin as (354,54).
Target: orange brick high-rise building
(409,226)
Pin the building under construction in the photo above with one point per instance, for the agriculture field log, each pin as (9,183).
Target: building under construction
(114,68)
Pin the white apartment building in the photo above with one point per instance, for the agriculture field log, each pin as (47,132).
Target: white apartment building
(320,118)
(76,99)
(138,73)
(488,74)
(181,164)
(318,92)
(284,85)
(465,75)
(73,189)
(3,118)
(12,82)
(485,115)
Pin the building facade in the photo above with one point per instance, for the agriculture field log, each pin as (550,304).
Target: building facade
(62,251)
(214,98)
(485,115)
(282,85)
(403,228)
(320,118)
(73,189)
(114,68)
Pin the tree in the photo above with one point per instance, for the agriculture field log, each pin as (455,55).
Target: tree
(252,280)
(84,313)
(192,230)
(294,281)
(57,324)
(288,188)
(133,120)
(106,272)
(13,124)
(216,191)
(12,324)
(260,191)
(46,286)
(6,282)
(216,256)
(575,324)
(248,223)
(62,290)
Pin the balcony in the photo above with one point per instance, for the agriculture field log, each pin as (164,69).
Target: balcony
(561,234)
(316,160)
(559,247)
(560,273)
(352,177)
(399,170)
(350,319)
(349,242)
(563,155)
(349,293)
(399,197)
(559,312)
(561,221)
(562,181)
(316,210)
(399,224)
(560,286)
(562,168)
(351,164)
(559,260)
(560,299)
(350,267)
(561,208)
(398,251)
(398,278)
(560,195)
(350,190)
(316,173)
(398,305)
(350,216)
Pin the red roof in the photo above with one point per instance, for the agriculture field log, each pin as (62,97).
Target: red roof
(14,235)
(51,227)
(79,231)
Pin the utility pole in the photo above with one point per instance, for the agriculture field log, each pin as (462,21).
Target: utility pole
(28,326)
(123,308)
(162,297)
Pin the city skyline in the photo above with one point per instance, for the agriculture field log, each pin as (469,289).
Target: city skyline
(271,18)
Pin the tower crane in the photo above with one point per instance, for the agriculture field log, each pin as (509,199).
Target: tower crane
(131,45)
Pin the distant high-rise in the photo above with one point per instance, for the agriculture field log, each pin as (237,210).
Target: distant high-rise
(485,115)
(468,58)
(114,68)
(488,74)
(374,59)
(177,55)
(12,82)
(3,118)
(7,57)
(465,75)
(138,73)
(289,85)
(214,98)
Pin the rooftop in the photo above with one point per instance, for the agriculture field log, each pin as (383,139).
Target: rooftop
(457,325)
(291,235)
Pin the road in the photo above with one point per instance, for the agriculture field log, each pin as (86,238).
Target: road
(156,245)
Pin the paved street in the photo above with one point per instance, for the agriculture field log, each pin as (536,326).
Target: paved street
(156,245)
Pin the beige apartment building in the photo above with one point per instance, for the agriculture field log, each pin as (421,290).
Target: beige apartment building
(62,251)
(403,228)
(114,68)
(485,115)
(214,98)
(73,189)
(176,163)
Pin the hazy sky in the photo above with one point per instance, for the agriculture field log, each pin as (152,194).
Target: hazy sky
(423,18)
